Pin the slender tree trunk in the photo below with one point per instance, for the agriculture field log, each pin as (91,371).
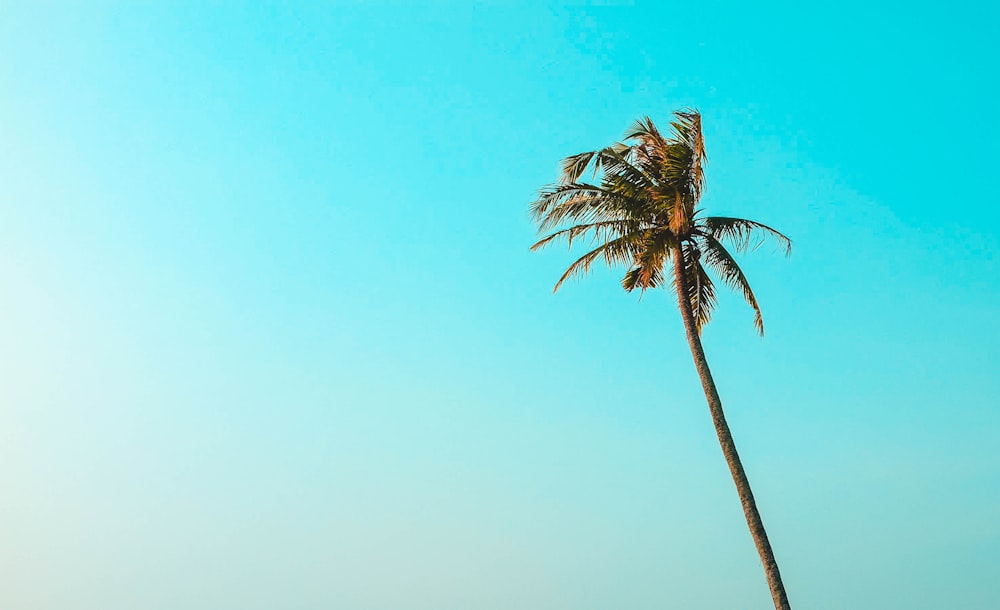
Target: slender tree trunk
(726,440)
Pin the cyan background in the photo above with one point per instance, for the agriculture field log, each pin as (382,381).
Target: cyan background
(271,336)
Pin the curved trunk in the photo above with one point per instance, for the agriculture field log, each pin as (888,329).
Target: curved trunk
(726,441)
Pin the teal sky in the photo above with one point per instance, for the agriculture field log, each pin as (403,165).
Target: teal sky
(271,335)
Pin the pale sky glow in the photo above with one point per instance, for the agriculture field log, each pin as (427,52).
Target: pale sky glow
(271,335)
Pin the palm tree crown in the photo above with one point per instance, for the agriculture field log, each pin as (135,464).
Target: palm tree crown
(642,209)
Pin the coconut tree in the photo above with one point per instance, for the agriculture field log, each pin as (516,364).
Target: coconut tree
(641,211)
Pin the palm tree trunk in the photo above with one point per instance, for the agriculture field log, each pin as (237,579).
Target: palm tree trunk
(726,440)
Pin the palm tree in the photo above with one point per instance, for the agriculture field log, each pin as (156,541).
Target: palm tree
(641,211)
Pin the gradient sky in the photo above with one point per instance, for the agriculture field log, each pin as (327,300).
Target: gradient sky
(271,335)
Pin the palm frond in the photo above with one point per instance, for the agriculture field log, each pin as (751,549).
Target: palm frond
(687,130)
(599,231)
(619,165)
(618,251)
(646,132)
(722,262)
(744,234)
(647,266)
(573,167)
(700,288)
(674,162)
(687,154)
(580,202)
(642,278)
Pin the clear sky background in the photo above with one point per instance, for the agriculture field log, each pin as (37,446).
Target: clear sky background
(271,335)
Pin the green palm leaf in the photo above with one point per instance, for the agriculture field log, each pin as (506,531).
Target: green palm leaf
(598,230)
(744,234)
(649,262)
(722,262)
(700,288)
(617,251)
